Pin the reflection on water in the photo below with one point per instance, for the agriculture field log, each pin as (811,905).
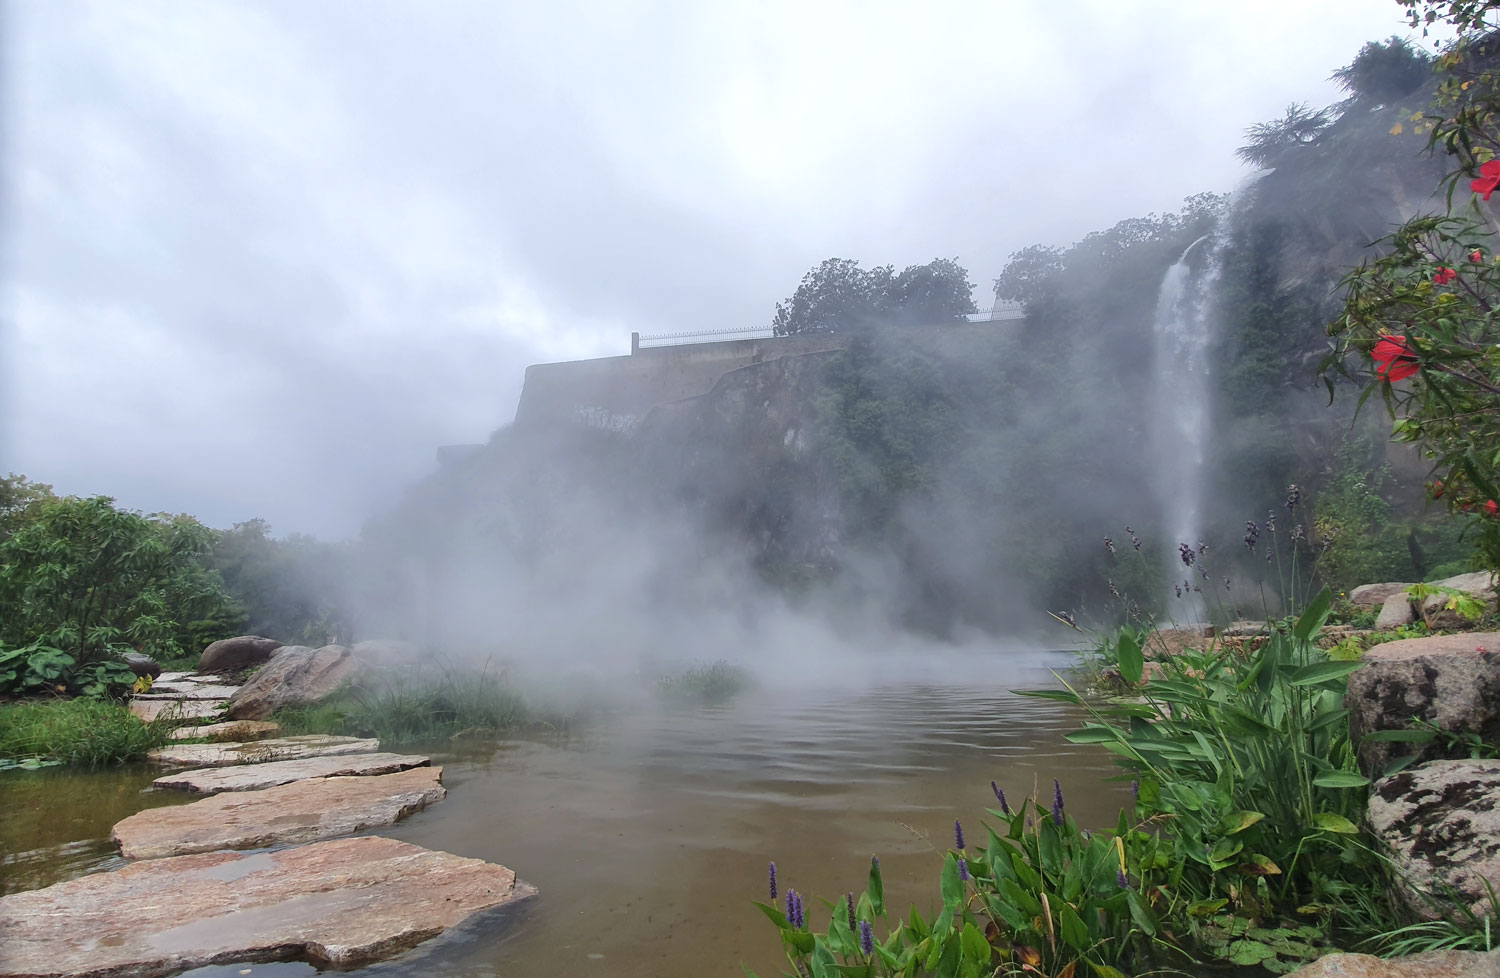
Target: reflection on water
(649,833)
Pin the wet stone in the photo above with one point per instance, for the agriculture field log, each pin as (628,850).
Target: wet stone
(337,904)
(239,730)
(150,710)
(252,777)
(187,690)
(261,751)
(303,811)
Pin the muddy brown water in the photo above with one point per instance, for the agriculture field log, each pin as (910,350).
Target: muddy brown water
(649,831)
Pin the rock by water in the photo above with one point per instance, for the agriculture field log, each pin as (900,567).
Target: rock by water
(303,811)
(337,904)
(1435,964)
(175,709)
(261,751)
(233,730)
(252,777)
(295,677)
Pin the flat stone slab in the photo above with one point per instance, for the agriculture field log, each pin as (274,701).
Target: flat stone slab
(303,811)
(232,730)
(1447,964)
(150,710)
(261,751)
(338,904)
(252,777)
(172,677)
(187,690)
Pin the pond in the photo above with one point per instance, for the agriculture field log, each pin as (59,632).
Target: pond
(649,830)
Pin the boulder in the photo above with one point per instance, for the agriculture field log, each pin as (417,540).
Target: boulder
(339,904)
(1440,823)
(260,752)
(141,665)
(296,677)
(1435,610)
(1396,611)
(237,654)
(236,730)
(1375,595)
(1447,964)
(1452,681)
(302,811)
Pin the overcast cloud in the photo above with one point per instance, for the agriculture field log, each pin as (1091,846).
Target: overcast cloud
(260,259)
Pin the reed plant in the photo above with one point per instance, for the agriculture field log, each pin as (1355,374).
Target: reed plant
(82,731)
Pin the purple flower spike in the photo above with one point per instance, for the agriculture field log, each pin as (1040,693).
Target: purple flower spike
(794,912)
(1120,878)
(1057,803)
(963,870)
(866,938)
(851,912)
(958,836)
(1135,792)
(773,884)
(1000,794)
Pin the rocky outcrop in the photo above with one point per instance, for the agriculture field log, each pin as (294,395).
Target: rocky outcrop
(303,811)
(338,904)
(296,677)
(260,752)
(232,730)
(1375,595)
(1435,964)
(1452,681)
(1436,610)
(1440,822)
(237,654)
(253,777)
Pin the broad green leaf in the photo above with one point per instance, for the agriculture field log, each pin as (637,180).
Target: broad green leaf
(1258,865)
(1341,779)
(1236,822)
(1322,672)
(952,885)
(1329,822)
(1093,734)
(877,887)
(1132,662)
(975,947)
(1061,695)
(777,917)
(1071,928)
(1401,736)
(1316,613)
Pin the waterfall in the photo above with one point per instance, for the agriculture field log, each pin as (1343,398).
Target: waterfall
(1182,418)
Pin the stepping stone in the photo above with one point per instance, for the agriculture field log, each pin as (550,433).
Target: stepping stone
(149,710)
(303,811)
(340,904)
(277,749)
(232,730)
(187,691)
(252,777)
(172,677)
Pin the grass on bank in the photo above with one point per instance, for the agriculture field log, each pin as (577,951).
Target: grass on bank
(81,731)
(708,683)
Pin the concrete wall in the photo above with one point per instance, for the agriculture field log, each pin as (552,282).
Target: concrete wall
(616,393)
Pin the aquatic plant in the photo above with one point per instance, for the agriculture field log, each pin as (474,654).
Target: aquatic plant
(711,683)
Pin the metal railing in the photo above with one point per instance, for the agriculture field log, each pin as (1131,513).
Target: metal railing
(1000,312)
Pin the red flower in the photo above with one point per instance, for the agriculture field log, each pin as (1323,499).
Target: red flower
(1476,255)
(1444,276)
(1492,507)
(1394,358)
(1438,489)
(1488,180)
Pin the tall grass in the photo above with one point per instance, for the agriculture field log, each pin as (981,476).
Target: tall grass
(81,731)
(419,710)
(711,683)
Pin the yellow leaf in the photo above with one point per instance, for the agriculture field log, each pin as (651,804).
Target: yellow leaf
(1396,129)
(1465,86)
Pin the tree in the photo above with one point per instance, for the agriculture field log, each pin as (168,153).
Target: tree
(1385,71)
(1270,141)
(287,587)
(82,576)
(1031,274)
(839,295)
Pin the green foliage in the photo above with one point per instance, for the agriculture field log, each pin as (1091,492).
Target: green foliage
(1270,142)
(1385,71)
(78,731)
(86,578)
(839,295)
(290,588)
(457,703)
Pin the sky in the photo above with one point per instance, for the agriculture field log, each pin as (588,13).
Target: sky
(260,259)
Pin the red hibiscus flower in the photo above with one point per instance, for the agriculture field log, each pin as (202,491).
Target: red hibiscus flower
(1444,276)
(1476,255)
(1492,507)
(1394,358)
(1488,180)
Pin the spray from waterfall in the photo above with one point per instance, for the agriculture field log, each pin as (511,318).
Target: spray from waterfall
(1185,329)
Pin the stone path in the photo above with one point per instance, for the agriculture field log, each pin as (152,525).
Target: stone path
(260,751)
(338,904)
(252,777)
(334,902)
(303,811)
